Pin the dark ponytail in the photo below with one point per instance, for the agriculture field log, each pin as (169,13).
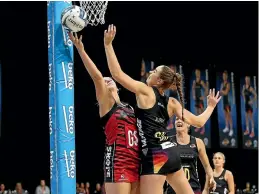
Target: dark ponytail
(170,77)
(178,79)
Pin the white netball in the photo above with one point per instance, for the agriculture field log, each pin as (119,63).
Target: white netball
(73,18)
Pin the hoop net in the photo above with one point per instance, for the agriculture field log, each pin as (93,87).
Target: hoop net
(95,11)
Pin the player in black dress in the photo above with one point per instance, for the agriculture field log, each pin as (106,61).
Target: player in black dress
(197,87)
(224,178)
(224,91)
(160,159)
(190,148)
(247,92)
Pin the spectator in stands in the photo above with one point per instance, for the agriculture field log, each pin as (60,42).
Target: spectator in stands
(103,189)
(42,188)
(77,188)
(87,188)
(2,189)
(81,189)
(98,189)
(19,189)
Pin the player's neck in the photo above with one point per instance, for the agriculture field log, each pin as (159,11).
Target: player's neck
(116,97)
(161,90)
(218,169)
(183,137)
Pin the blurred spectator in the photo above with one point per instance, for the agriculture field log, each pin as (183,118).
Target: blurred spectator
(81,189)
(77,188)
(87,188)
(19,189)
(98,189)
(248,189)
(103,189)
(2,189)
(42,188)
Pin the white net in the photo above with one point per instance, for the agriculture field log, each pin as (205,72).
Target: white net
(95,11)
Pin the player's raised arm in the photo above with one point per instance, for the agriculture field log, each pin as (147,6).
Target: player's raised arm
(96,75)
(199,120)
(126,81)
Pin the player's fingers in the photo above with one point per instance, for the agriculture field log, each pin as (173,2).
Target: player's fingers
(210,92)
(81,37)
(219,99)
(72,38)
(217,95)
(213,92)
(115,29)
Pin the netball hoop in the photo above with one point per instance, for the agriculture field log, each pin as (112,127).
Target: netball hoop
(95,11)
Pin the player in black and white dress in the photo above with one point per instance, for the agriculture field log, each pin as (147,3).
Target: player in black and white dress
(190,149)
(247,92)
(224,178)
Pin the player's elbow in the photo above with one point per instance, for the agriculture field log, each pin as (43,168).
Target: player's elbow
(199,122)
(116,76)
(97,77)
(196,121)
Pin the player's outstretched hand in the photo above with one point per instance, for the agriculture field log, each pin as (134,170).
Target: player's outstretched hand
(77,41)
(212,184)
(213,100)
(109,35)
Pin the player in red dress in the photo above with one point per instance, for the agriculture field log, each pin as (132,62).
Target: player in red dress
(121,159)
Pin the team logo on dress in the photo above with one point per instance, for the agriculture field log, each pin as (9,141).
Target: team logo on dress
(192,145)
(122,178)
(162,136)
(123,115)
(144,151)
(160,104)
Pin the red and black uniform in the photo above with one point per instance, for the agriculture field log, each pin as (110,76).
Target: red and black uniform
(121,159)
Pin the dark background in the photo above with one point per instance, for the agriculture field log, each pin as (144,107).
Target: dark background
(194,34)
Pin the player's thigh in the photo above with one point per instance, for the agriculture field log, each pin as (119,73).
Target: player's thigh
(152,184)
(135,188)
(179,182)
(118,188)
